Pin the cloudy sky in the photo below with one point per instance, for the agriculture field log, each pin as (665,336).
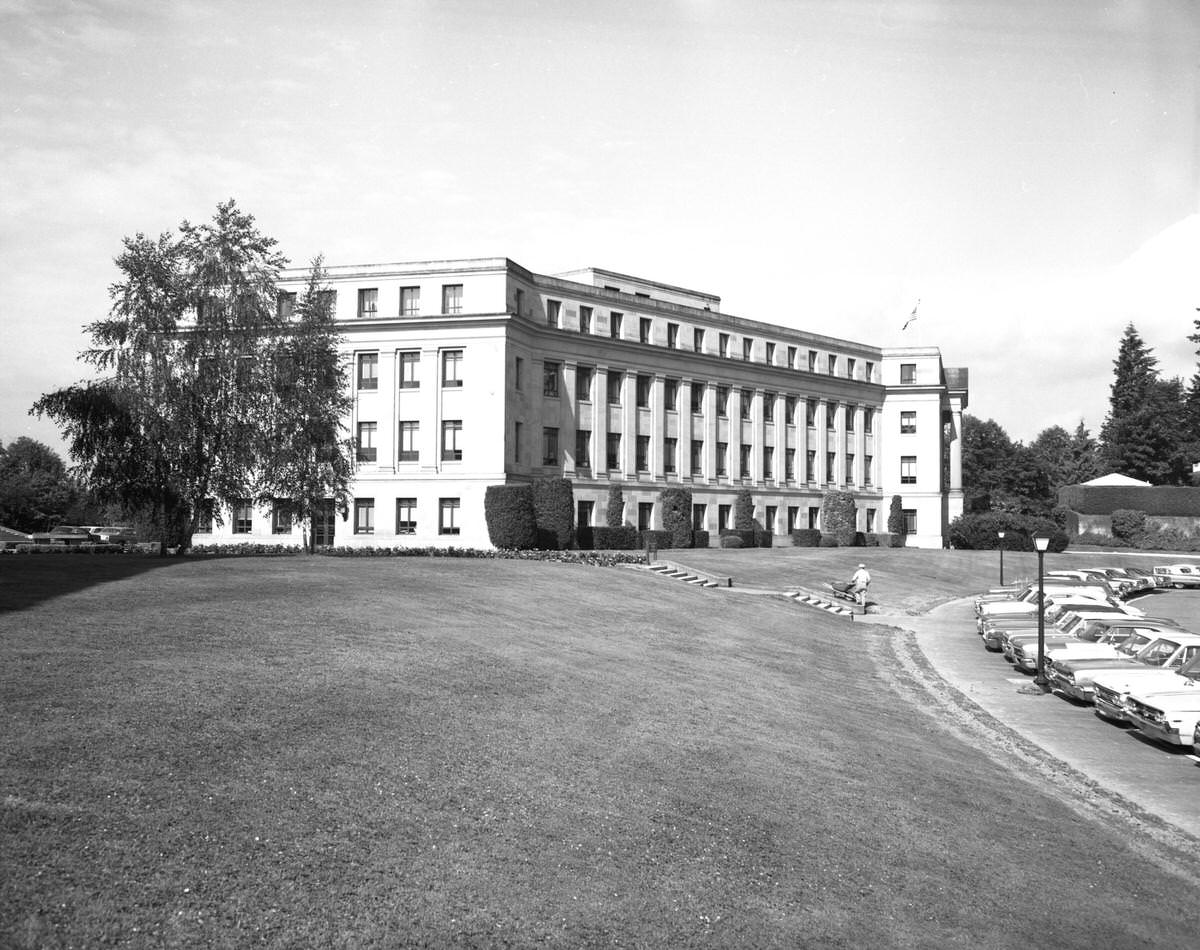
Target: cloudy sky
(1029,170)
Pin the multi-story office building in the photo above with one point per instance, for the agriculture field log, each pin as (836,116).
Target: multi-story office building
(473,373)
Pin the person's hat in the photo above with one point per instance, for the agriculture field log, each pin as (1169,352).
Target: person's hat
(862,565)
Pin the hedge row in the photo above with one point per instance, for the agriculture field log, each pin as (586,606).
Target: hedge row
(812,538)
(1153,500)
(981,532)
(23,547)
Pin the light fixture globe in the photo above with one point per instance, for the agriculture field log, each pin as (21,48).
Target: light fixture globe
(1041,543)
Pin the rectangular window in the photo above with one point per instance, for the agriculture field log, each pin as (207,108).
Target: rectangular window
(869,371)
(908,373)
(810,465)
(723,517)
(770,354)
(518,373)
(744,461)
(789,465)
(768,407)
(849,368)
(644,330)
(723,345)
(408,441)
(643,391)
(554,313)
(832,365)
(406,516)
(408,370)
(452,367)
(614,387)
(550,379)
(908,469)
(793,517)
(812,361)
(327,301)
(791,357)
(851,411)
(830,467)
(747,404)
(519,302)
(645,514)
(206,517)
(869,421)
(368,303)
(723,401)
(698,340)
(768,462)
(910,520)
(810,414)
(697,396)
(365,443)
(849,468)
(747,348)
(868,463)
(583,448)
(368,370)
(670,447)
(831,412)
(814,517)
(642,450)
(448,515)
(699,514)
(281,518)
(908,422)
(452,298)
(671,395)
(771,515)
(612,451)
(583,383)
(410,301)
(697,456)
(517,442)
(364,515)
(673,335)
(870,521)
(285,305)
(549,445)
(583,513)
(722,459)
(789,409)
(452,440)
(614,325)
(585,319)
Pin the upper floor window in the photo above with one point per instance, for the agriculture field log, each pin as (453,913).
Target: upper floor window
(642,453)
(615,377)
(697,397)
(673,335)
(671,395)
(747,403)
(285,305)
(723,345)
(452,440)
(850,413)
(366,441)
(770,354)
(790,410)
(810,414)
(908,422)
(644,330)
(812,361)
(643,391)
(614,325)
(583,448)
(747,348)
(410,301)
(452,367)
(553,313)
(832,365)
(549,446)
(408,440)
(722,401)
(768,407)
(831,412)
(550,379)
(518,373)
(850,368)
(368,370)
(368,302)
(698,340)
(869,371)
(583,383)
(327,301)
(791,353)
(452,298)
(908,372)
(908,469)
(408,370)
(585,319)
(519,301)
(869,421)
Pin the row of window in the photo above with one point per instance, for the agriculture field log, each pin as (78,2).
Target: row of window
(406,515)
(407,450)
(409,363)
(409,304)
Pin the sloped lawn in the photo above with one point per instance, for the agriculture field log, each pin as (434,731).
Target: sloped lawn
(351,752)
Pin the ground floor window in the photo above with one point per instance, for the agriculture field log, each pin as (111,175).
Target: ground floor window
(243,517)
(612,450)
(814,517)
(364,515)
(281,518)
(406,516)
(723,517)
(699,513)
(448,515)
(583,514)
(645,513)
(792,517)
(910,520)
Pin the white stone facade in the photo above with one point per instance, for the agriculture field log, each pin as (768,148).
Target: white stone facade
(473,373)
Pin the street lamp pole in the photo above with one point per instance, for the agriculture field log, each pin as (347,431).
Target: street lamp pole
(1041,543)
(1001,534)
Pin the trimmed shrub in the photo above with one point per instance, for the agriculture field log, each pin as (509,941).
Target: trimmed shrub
(839,516)
(1129,525)
(871,540)
(511,522)
(615,516)
(731,541)
(620,538)
(699,539)
(90,547)
(763,539)
(806,538)
(743,511)
(747,537)
(677,516)
(583,538)
(1179,500)
(889,540)
(554,512)
(829,541)
(859,540)
(656,536)
(895,522)
(980,532)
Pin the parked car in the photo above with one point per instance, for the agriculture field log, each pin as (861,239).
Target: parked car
(1168,710)
(1076,677)
(1178,575)
(1165,656)
(1022,647)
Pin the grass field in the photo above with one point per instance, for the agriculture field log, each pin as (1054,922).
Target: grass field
(357,752)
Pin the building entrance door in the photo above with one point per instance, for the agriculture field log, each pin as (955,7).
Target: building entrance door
(323,524)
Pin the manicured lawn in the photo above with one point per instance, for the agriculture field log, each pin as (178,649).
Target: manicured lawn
(357,752)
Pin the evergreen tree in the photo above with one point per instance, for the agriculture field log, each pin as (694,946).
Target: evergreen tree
(1085,461)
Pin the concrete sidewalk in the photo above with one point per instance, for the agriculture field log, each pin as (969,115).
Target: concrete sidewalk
(1164,783)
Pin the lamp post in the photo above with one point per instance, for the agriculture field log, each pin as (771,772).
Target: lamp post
(1001,536)
(1041,543)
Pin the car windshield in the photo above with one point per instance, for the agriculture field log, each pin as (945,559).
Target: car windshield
(1158,652)
(1134,643)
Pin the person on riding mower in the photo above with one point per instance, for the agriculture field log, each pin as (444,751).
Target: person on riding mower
(859,584)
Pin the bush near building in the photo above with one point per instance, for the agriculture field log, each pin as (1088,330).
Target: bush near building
(554,512)
(981,532)
(677,516)
(895,522)
(806,538)
(1129,525)
(743,512)
(511,521)
(839,515)
(620,538)
(614,517)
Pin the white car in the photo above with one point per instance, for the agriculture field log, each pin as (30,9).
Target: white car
(1075,677)
(1178,575)
(1171,717)
(1160,660)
